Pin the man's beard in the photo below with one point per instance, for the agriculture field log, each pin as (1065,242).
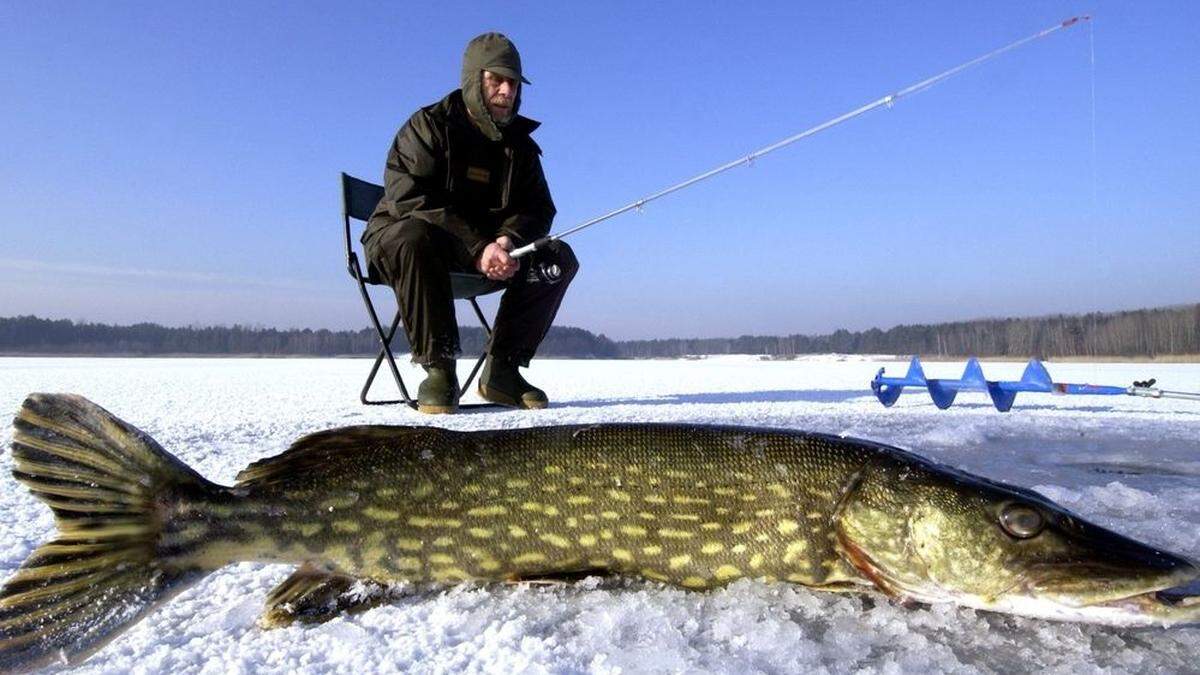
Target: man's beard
(500,114)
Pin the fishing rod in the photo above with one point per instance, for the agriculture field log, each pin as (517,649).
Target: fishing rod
(885,101)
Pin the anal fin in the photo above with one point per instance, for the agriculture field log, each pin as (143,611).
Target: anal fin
(311,595)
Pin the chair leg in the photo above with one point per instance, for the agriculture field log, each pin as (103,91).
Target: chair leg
(385,352)
(478,363)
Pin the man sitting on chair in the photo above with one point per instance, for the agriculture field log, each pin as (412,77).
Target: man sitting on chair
(463,186)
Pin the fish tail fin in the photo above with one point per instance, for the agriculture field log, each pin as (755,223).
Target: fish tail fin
(112,489)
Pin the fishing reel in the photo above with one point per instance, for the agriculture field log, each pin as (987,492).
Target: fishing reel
(544,272)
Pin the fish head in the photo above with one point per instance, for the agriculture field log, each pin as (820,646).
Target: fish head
(931,533)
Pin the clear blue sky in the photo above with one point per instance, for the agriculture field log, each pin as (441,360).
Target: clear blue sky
(178,162)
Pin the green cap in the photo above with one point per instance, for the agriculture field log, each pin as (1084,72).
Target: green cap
(493,52)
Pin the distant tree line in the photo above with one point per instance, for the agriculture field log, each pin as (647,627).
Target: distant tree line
(1139,333)
(32,335)
(1144,332)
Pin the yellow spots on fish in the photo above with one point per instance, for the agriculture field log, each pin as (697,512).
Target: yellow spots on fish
(550,510)
(725,572)
(738,548)
(787,526)
(572,522)
(756,561)
(822,495)
(346,526)
(443,542)
(622,554)
(764,537)
(376,513)
(797,578)
(472,489)
(410,544)
(552,469)
(339,502)
(527,558)
(610,515)
(386,492)
(578,500)
(679,561)
(486,511)
(794,550)
(742,527)
(550,487)
(489,565)
(779,491)
(677,474)
(480,532)
(655,499)
(744,477)
(710,526)
(516,532)
(516,483)
(684,499)
(814,515)
(619,495)
(722,510)
(748,497)
(646,515)
(764,513)
(449,505)
(305,529)
(606,534)
(690,517)
(652,550)
(575,480)
(425,521)
(653,574)
(441,559)
(408,564)
(536,507)
(587,540)
(694,582)
(712,548)
(555,540)
(668,533)
(633,469)
(633,530)
(422,491)
(653,482)
(724,491)
(451,574)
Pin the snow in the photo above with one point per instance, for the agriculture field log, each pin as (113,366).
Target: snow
(1130,464)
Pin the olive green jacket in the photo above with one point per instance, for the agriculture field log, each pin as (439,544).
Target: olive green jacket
(444,170)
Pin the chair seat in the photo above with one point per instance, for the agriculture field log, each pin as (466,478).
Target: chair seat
(465,285)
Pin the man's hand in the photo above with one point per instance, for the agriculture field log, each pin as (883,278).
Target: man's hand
(495,263)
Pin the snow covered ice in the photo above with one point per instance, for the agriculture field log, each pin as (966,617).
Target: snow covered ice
(1129,464)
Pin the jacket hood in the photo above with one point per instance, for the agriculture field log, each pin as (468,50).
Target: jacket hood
(494,52)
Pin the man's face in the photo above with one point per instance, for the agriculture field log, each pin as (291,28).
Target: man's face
(499,93)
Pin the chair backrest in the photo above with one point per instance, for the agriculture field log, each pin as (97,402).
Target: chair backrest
(359,198)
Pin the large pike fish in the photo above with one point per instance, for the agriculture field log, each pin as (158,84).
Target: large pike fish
(687,505)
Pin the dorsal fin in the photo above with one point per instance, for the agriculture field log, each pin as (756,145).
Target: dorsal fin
(325,448)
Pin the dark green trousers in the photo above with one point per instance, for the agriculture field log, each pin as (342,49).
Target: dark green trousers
(416,259)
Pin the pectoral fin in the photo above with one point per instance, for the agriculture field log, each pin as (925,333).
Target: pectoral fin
(311,595)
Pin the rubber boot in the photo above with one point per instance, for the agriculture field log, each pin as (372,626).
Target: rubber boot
(438,394)
(501,382)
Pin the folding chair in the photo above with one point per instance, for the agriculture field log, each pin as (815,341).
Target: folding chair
(359,199)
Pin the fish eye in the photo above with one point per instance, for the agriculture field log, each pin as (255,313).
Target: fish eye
(1021,521)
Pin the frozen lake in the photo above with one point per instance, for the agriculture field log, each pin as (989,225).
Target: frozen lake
(1129,464)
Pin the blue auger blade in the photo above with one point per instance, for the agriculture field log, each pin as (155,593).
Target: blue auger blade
(1035,378)
(888,389)
(943,391)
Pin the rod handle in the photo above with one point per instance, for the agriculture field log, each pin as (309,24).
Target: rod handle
(522,251)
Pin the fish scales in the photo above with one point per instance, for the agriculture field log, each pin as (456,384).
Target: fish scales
(695,506)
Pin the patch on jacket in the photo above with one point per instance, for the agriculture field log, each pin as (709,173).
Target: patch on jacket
(479,174)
